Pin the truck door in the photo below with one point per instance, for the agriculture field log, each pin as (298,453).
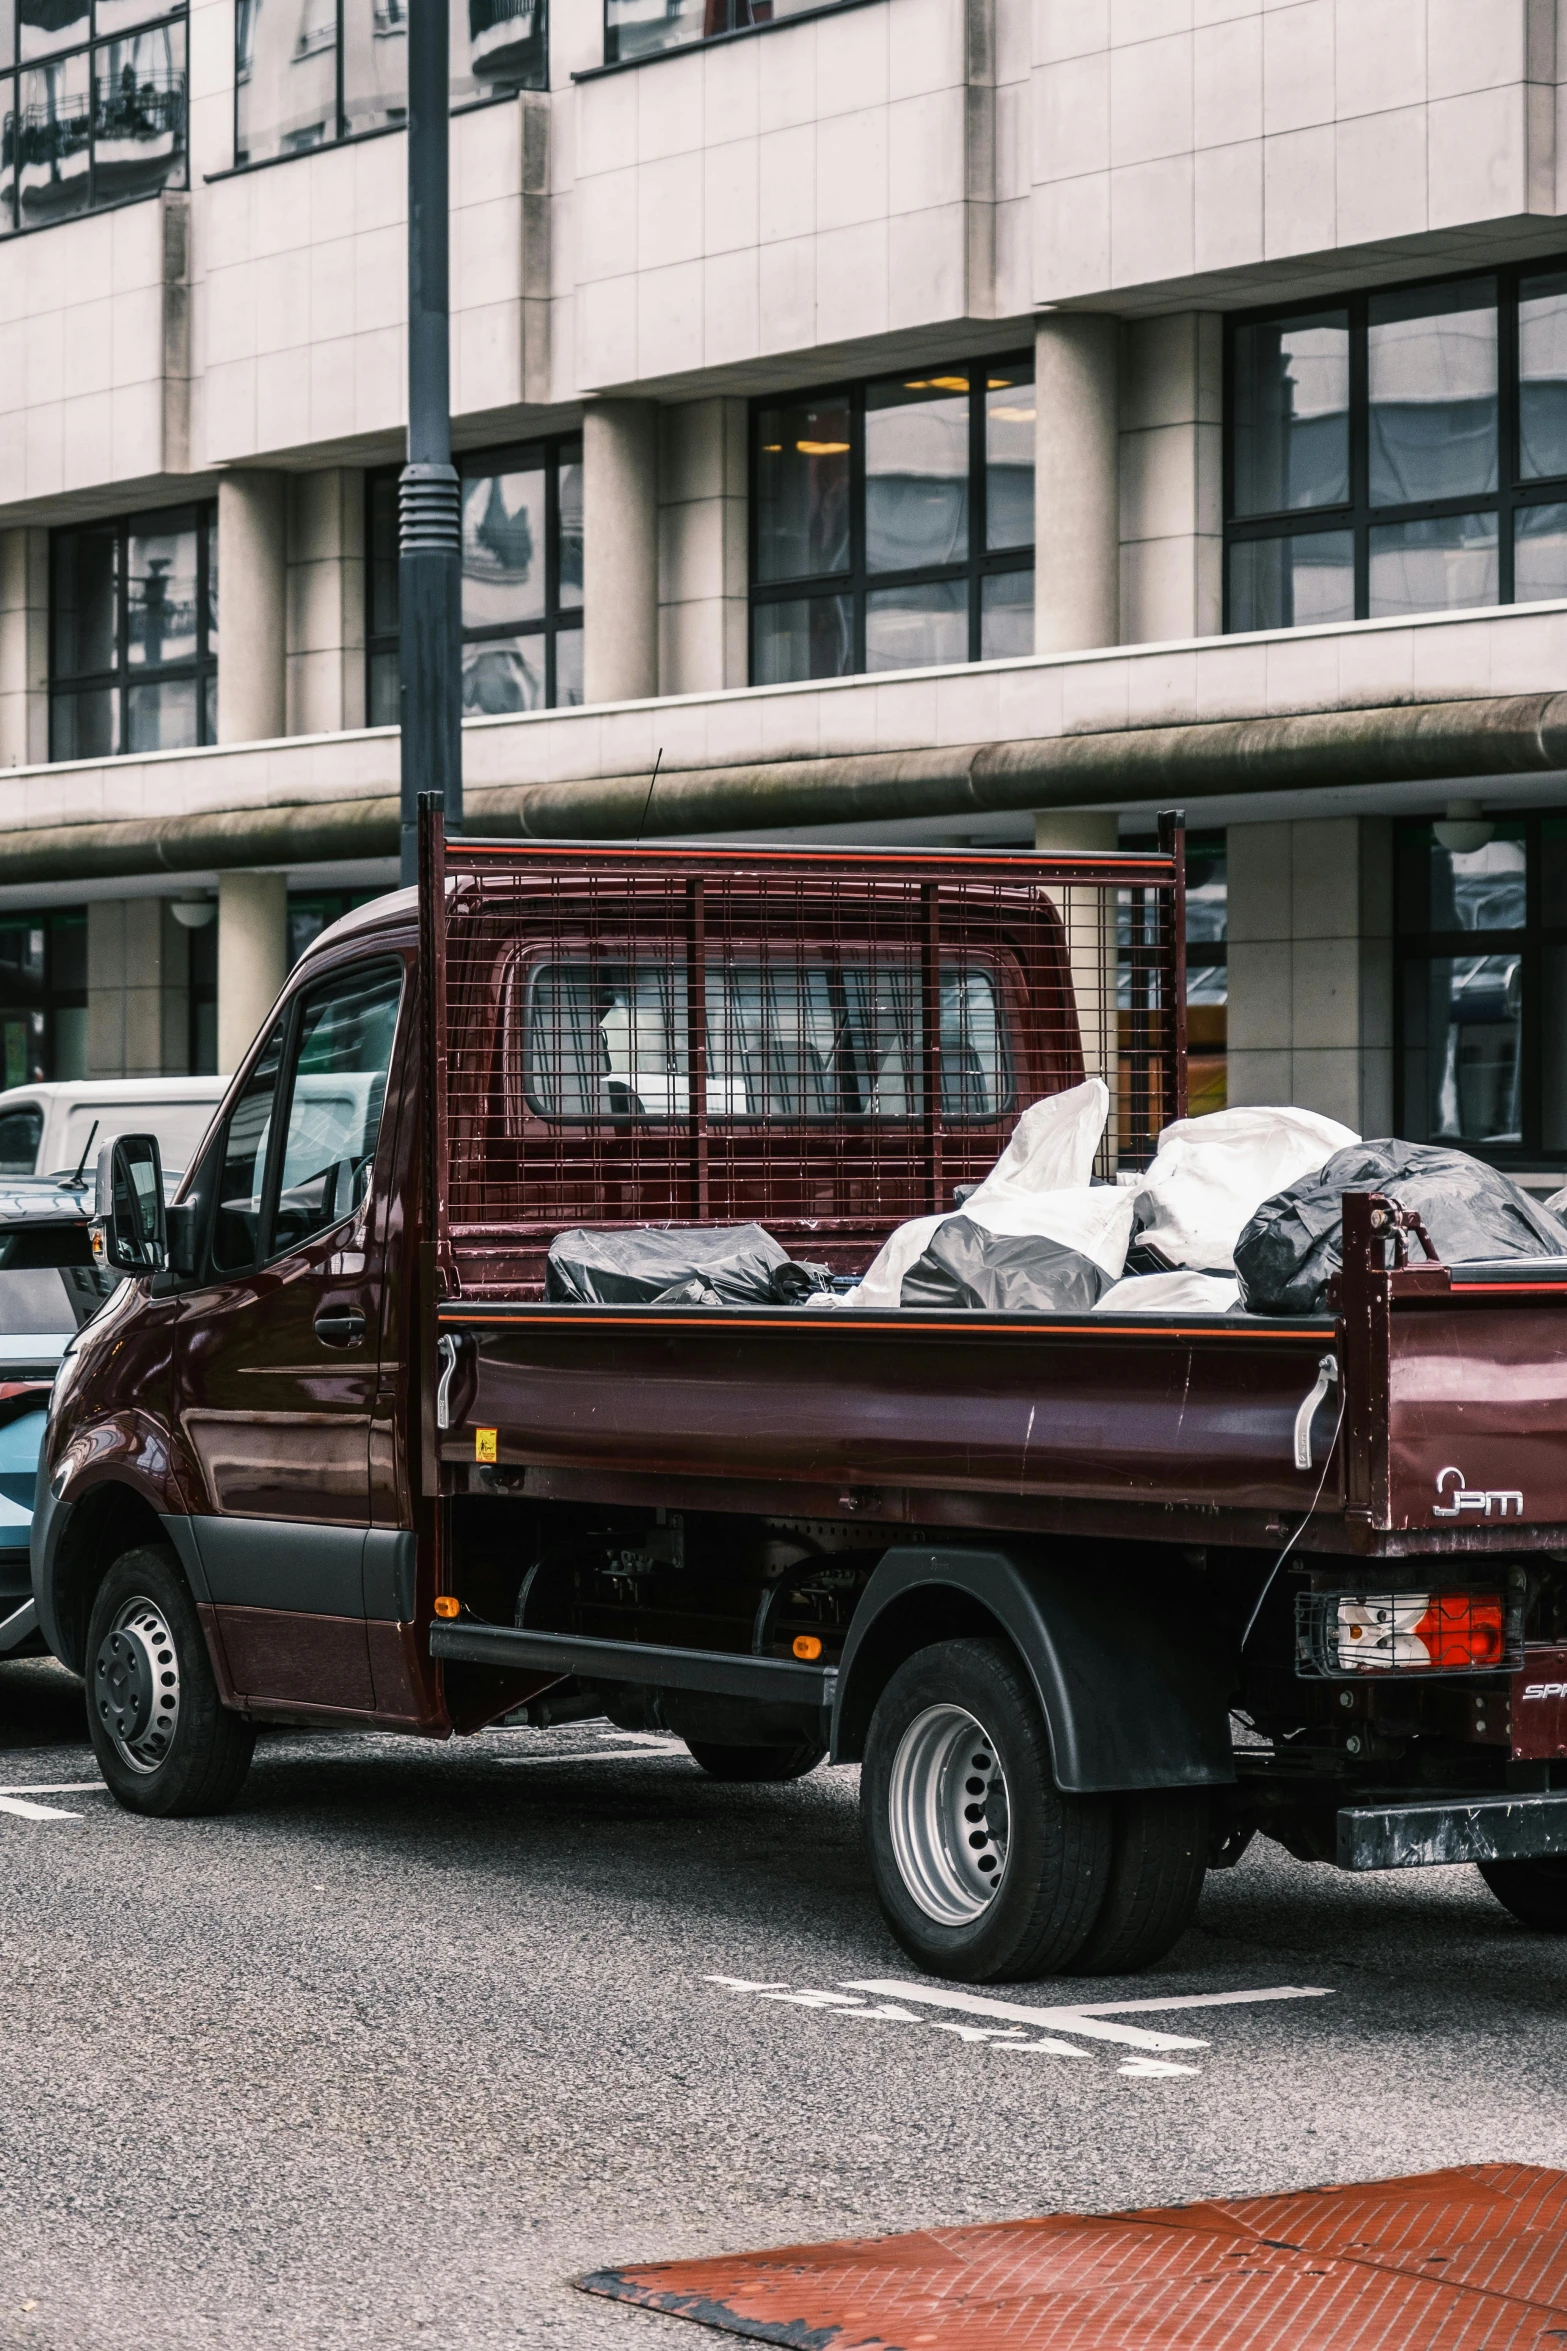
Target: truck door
(277,1365)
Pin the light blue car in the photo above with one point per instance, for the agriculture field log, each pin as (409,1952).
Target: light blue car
(49,1286)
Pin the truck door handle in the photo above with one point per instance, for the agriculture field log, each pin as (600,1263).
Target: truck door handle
(340,1330)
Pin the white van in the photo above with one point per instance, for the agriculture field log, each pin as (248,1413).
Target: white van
(45,1129)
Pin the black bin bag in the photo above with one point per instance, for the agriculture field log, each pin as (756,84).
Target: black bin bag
(967,1266)
(1294,1244)
(716,1265)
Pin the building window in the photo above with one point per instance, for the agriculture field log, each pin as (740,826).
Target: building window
(43,995)
(646,28)
(521,582)
(92,106)
(1207,971)
(892,524)
(308,72)
(1398,452)
(1482,986)
(133,634)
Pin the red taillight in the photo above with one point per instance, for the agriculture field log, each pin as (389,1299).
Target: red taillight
(1464,1629)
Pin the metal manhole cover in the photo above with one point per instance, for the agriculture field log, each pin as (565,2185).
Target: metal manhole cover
(1473,2259)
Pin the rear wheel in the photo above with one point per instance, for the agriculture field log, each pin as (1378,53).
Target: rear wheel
(756,1763)
(985,1872)
(1156,1873)
(163,1738)
(1534,1891)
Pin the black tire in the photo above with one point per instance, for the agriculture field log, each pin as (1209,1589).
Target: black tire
(164,1740)
(1159,1861)
(756,1763)
(1534,1891)
(1055,1850)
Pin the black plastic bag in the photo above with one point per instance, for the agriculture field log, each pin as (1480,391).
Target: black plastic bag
(734,1264)
(967,1266)
(1294,1244)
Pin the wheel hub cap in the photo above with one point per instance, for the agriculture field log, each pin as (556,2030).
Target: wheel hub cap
(948,1814)
(136,1685)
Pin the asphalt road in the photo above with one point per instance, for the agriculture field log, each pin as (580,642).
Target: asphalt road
(417,2034)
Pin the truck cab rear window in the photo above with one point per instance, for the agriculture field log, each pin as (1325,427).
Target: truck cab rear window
(789,1041)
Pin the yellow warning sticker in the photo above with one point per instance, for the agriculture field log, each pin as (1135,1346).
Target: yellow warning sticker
(484,1444)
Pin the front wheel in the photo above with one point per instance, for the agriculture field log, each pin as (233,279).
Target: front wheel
(756,1763)
(1534,1891)
(984,1870)
(165,1742)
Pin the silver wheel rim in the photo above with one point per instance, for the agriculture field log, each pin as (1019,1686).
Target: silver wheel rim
(948,1815)
(136,1685)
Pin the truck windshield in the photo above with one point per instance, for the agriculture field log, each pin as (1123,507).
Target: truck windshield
(792,1040)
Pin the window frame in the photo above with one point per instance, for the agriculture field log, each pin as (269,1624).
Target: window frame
(201,667)
(1413,943)
(552,451)
(857,582)
(206,1182)
(1514,491)
(162,14)
(343,136)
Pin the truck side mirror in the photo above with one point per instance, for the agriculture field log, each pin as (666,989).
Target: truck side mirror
(130,1205)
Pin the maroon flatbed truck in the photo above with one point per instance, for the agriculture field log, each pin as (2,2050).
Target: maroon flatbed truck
(1093,1598)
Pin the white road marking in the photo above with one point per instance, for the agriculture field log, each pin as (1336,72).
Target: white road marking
(1089,2018)
(593,1755)
(25,1811)
(1071,2020)
(1141,2069)
(57,1788)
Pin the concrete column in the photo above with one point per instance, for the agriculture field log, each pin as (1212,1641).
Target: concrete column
(138,990)
(620,550)
(252,957)
(1171,477)
(703,613)
(24,647)
(1077,592)
(1089,916)
(252,606)
(326,602)
(1311,967)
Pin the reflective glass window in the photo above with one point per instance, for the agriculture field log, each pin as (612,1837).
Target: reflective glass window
(1440,564)
(893,523)
(47,27)
(497,46)
(1009,456)
(139,114)
(341,1054)
(285,77)
(54,145)
(1290,427)
(1006,615)
(1539,553)
(375,63)
(1542,376)
(503,548)
(803,637)
(916,472)
(1432,380)
(133,635)
(7,33)
(1288,583)
(802,489)
(1463,1049)
(241,1163)
(521,582)
(917,628)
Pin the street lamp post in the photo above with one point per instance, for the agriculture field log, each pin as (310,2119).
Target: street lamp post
(429,569)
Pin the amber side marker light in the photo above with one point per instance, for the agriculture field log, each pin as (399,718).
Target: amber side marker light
(806,1645)
(447,1606)
(484,1442)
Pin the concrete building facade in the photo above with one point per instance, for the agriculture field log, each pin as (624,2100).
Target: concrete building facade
(917,420)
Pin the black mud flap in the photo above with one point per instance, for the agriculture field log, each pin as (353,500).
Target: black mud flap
(1433,1832)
